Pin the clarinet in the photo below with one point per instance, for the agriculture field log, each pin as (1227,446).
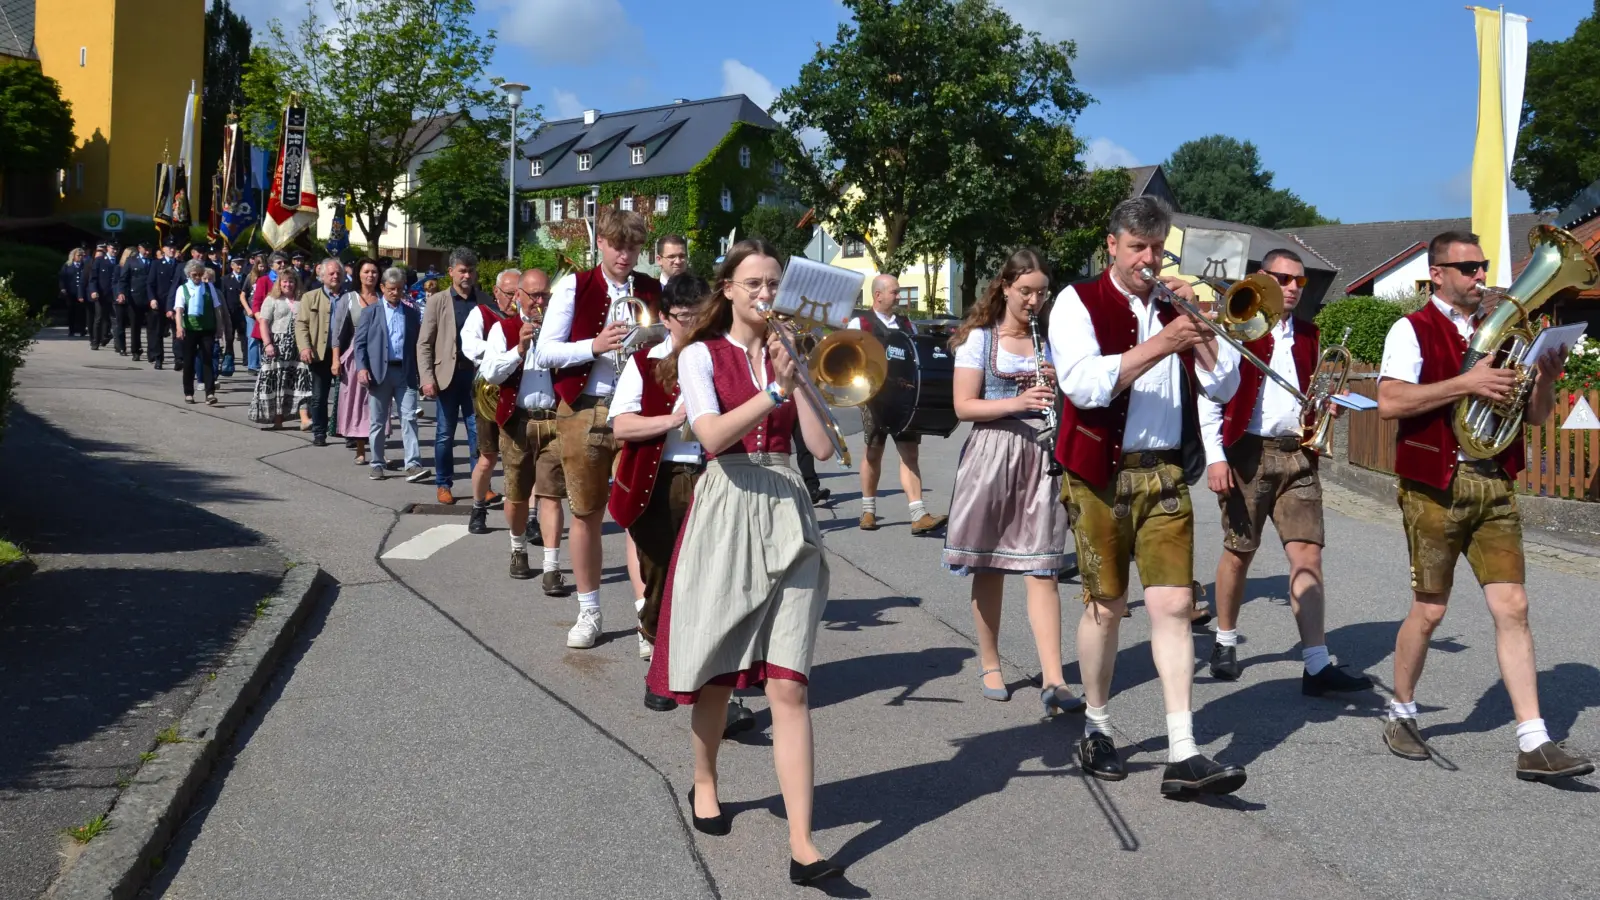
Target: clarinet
(1051,417)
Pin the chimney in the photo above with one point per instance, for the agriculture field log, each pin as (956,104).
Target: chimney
(589,115)
(680,100)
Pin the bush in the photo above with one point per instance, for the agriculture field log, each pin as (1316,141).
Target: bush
(1368,318)
(1582,371)
(18,325)
(32,272)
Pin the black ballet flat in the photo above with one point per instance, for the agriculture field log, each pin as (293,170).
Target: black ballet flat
(817,871)
(717,826)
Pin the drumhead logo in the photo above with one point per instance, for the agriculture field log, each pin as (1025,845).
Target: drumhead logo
(894,353)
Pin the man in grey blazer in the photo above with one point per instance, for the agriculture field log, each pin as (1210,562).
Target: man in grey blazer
(386,362)
(446,371)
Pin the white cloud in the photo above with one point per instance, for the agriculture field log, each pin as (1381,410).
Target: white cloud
(738,78)
(566,104)
(1104,153)
(567,32)
(1123,42)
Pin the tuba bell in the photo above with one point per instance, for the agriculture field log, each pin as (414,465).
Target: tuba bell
(1483,427)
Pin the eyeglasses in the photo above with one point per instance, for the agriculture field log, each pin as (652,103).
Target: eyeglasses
(754,285)
(536,295)
(1468,268)
(1284,278)
(684,316)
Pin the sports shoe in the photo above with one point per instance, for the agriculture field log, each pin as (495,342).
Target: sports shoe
(1551,760)
(555,585)
(496,501)
(646,649)
(417,474)
(869,521)
(378,474)
(928,524)
(585,632)
(478,520)
(1199,775)
(1404,740)
(519,565)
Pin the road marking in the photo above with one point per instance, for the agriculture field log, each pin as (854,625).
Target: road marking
(428,543)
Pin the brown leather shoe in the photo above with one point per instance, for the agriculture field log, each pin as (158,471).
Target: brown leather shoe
(869,521)
(519,565)
(1551,760)
(1405,741)
(554,585)
(444,496)
(928,524)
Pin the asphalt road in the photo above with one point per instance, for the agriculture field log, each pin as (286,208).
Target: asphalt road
(432,736)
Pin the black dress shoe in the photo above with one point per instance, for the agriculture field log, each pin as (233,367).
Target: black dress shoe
(740,719)
(478,520)
(319,442)
(158,367)
(657,703)
(1332,679)
(1097,755)
(717,825)
(1198,775)
(1225,662)
(818,495)
(813,872)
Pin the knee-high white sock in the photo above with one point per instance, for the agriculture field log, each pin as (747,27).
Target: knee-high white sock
(1316,658)
(1531,735)
(1180,737)
(552,559)
(1096,719)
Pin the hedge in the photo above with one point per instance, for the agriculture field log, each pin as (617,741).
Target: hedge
(18,325)
(32,272)
(1369,319)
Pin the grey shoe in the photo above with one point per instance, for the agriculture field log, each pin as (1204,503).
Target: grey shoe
(417,474)
(1001,694)
(1404,740)
(554,585)
(1059,699)
(378,474)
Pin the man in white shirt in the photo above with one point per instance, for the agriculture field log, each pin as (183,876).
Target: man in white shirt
(1129,365)
(474,342)
(881,321)
(576,343)
(1257,468)
(528,443)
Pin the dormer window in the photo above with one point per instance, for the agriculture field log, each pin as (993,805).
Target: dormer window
(727,200)
(744,157)
(637,156)
(585,162)
(536,167)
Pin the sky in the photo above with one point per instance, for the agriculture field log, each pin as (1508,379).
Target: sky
(1365,109)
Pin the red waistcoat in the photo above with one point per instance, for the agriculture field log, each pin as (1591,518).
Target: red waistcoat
(639,463)
(730,375)
(591,304)
(512,329)
(1425,445)
(1089,443)
(1236,412)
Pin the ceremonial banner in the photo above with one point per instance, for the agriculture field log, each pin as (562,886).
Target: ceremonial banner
(189,157)
(339,229)
(232,211)
(292,202)
(1502,66)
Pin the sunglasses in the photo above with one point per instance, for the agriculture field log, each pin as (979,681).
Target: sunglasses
(535,295)
(1468,268)
(1284,279)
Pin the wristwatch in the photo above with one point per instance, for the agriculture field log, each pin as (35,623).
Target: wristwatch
(776,393)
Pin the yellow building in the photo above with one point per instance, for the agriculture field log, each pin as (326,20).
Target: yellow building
(126,66)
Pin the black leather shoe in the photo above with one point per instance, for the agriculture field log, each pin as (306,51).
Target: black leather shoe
(319,442)
(657,703)
(158,367)
(716,826)
(519,565)
(1198,775)
(1225,662)
(1097,755)
(533,533)
(1332,679)
(820,495)
(814,872)
(478,520)
(740,719)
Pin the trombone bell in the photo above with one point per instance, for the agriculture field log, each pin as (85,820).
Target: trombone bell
(1250,307)
(849,367)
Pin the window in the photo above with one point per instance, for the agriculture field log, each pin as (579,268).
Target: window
(555,210)
(854,249)
(662,203)
(1424,286)
(537,167)
(585,162)
(526,209)
(727,200)
(588,206)
(908,296)
(744,157)
(761,199)
(83,56)
(777,169)
(625,204)
(637,156)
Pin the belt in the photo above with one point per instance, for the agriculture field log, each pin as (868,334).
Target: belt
(1149,459)
(685,468)
(1481,466)
(538,415)
(1286,443)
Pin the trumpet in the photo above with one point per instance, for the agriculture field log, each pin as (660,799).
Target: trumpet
(1333,373)
(645,331)
(851,367)
(1052,419)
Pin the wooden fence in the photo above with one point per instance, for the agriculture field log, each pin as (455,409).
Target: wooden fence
(1560,463)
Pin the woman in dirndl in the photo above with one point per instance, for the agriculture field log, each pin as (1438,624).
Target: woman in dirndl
(347,313)
(1006,517)
(283,384)
(750,554)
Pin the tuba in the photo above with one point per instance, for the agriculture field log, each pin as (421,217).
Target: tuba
(486,396)
(1484,427)
(1333,373)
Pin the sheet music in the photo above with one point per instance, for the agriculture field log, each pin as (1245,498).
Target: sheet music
(836,291)
(1354,401)
(1556,337)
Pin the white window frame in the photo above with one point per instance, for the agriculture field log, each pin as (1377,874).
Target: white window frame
(585,162)
(536,168)
(777,169)
(557,211)
(636,155)
(727,199)
(625,204)
(761,199)
(663,202)
(588,206)
(722,246)
(744,157)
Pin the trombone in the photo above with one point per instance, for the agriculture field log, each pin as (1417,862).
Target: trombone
(851,366)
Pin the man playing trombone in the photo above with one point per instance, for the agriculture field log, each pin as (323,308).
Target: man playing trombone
(1129,361)
(1257,467)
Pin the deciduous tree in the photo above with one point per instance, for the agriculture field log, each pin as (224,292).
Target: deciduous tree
(227,54)
(35,123)
(1558,153)
(1221,178)
(460,197)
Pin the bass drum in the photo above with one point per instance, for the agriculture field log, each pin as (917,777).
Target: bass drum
(918,394)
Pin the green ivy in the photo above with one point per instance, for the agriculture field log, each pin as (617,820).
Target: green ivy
(1368,318)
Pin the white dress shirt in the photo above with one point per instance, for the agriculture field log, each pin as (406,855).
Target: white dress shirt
(1402,353)
(890,322)
(1277,412)
(1088,379)
(629,398)
(556,351)
(499,361)
(472,341)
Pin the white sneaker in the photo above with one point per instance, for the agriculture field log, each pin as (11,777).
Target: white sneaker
(645,648)
(586,631)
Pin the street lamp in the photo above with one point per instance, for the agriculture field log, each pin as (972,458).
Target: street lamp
(514,100)
(594,243)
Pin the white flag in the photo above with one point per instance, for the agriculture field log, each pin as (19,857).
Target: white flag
(1513,72)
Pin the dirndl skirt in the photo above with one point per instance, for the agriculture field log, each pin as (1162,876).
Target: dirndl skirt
(283,385)
(1005,510)
(353,414)
(753,577)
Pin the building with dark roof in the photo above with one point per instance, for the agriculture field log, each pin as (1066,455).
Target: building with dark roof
(1389,259)
(16,30)
(691,167)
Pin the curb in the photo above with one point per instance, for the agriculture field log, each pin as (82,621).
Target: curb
(115,865)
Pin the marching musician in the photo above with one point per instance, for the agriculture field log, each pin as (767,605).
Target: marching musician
(1005,514)
(525,419)
(746,594)
(576,343)
(474,345)
(882,320)
(1257,468)
(1130,365)
(1455,504)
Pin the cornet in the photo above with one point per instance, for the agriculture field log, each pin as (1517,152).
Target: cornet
(645,331)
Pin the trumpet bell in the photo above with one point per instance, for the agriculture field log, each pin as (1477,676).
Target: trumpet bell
(849,367)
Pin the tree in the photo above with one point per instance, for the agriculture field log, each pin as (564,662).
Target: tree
(377,79)
(776,223)
(35,131)
(460,198)
(1220,177)
(227,54)
(1558,154)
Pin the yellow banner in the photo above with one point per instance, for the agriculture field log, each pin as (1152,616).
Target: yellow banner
(1489,152)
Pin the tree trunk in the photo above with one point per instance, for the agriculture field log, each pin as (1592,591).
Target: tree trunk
(969,279)
(930,274)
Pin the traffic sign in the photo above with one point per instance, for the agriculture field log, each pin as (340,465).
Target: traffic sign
(112,220)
